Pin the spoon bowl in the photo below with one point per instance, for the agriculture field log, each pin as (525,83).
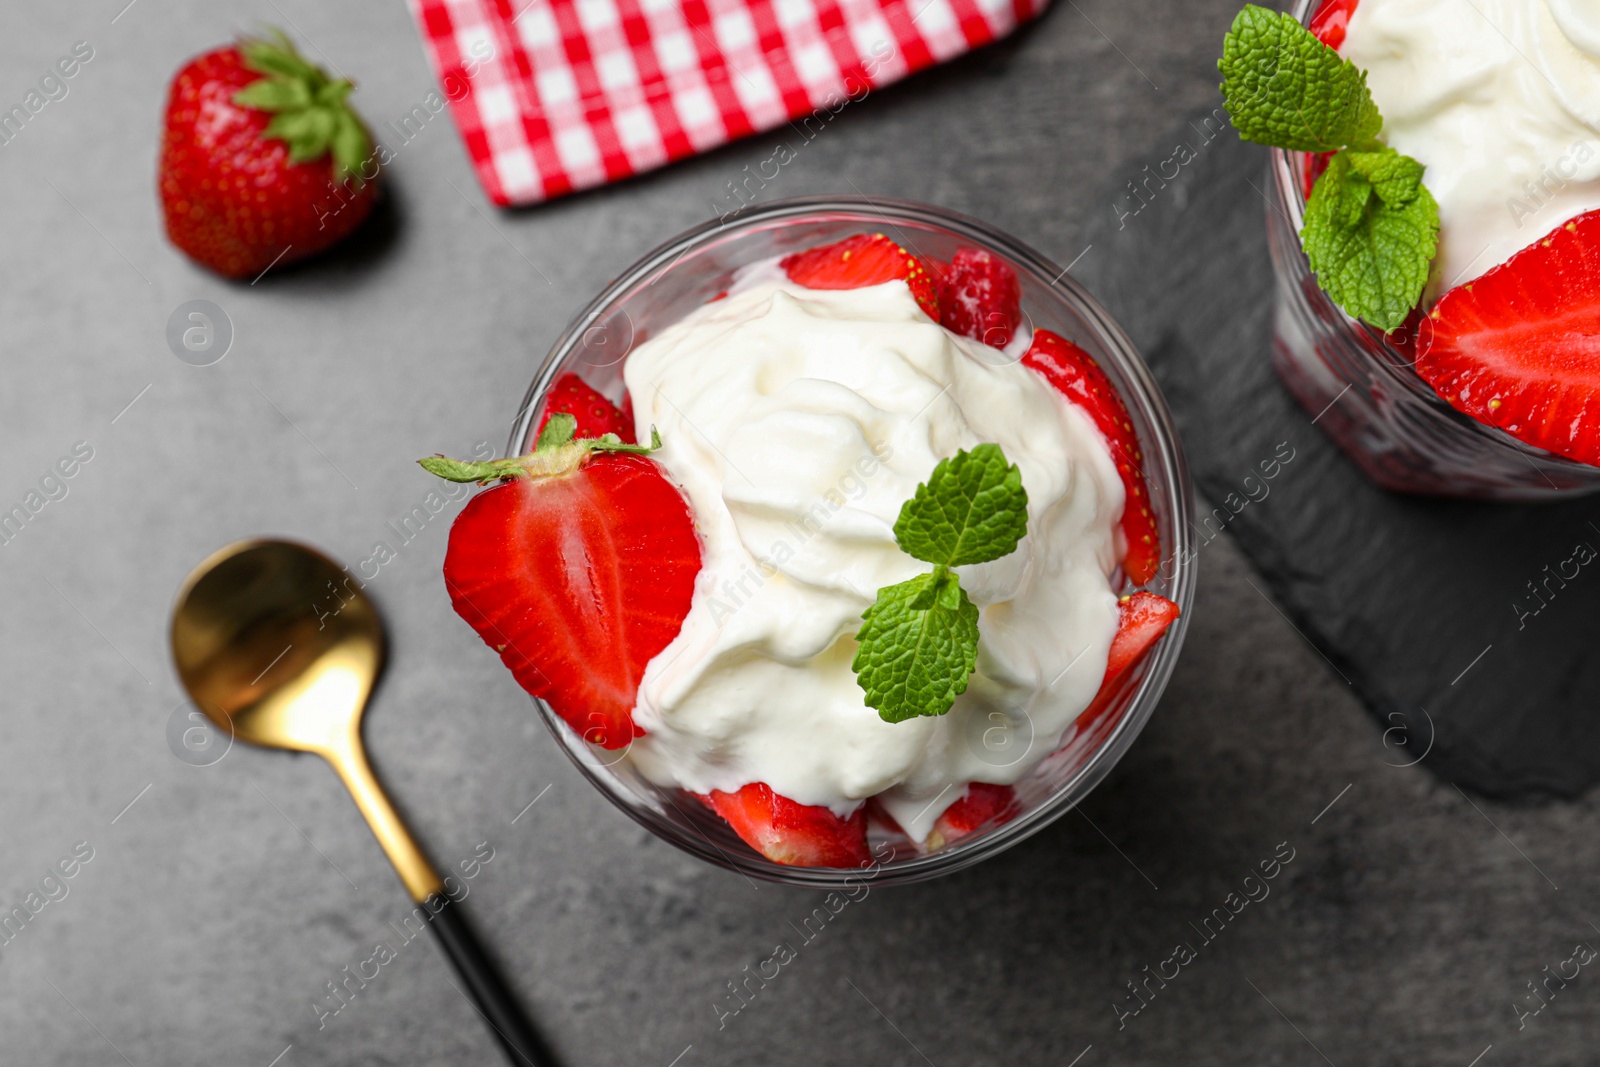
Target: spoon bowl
(264,656)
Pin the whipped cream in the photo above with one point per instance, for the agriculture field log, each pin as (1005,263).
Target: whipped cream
(797,422)
(1500,100)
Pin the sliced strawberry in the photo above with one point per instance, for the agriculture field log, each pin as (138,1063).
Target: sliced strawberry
(979,297)
(981,805)
(797,835)
(1331,21)
(1329,25)
(1075,373)
(860,261)
(1141,620)
(595,414)
(577,570)
(1519,347)
(1316,164)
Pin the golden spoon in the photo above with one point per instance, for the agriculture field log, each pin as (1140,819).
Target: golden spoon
(278,647)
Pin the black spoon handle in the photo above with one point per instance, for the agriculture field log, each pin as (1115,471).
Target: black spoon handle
(484,986)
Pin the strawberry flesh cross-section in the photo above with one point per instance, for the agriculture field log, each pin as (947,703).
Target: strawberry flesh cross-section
(1079,378)
(1519,347)
(578,569)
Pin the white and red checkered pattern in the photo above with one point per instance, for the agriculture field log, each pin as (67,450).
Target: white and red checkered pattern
(553,96)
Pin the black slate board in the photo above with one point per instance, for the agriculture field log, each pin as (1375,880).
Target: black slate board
(1416,602)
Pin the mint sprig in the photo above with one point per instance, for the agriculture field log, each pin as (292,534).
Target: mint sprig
(1371,227)
(1371,230)
(918,644)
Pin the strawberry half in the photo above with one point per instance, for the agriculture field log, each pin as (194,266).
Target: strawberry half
(1079,378)
(981,805)
(979,297)
(797,835)
(1519,347)
(1142,618)
(262,161)
(578,570)
(859,261)
(596,415)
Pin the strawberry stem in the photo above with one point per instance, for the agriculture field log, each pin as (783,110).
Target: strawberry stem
(556,453)
(309,112)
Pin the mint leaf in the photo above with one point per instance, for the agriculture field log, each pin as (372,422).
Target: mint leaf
(1370,232)
(1284,87)
(918,643)
(1394,177)
(972,509)
(918,647)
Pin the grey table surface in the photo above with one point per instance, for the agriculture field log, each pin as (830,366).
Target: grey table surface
(220,900)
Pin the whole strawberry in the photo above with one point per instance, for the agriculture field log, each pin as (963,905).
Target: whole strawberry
(262,160)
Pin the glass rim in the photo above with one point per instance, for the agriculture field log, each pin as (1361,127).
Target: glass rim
(1164,453)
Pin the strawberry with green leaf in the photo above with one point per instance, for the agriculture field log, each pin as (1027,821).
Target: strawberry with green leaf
(263,161)
(577,568)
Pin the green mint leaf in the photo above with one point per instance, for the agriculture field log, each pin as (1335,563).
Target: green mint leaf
(918,643)
(1284,87)
(1394,177)
(917,647)
(972,509)
(1371,231)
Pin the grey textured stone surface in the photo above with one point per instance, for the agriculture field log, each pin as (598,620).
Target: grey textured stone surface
(217,906)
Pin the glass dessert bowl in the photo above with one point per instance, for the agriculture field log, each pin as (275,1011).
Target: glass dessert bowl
(687,279)
(1367,387)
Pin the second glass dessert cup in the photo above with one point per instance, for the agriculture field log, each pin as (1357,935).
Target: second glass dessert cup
(1362,387)
(683,275)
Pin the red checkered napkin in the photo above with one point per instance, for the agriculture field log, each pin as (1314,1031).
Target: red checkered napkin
(552,96)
